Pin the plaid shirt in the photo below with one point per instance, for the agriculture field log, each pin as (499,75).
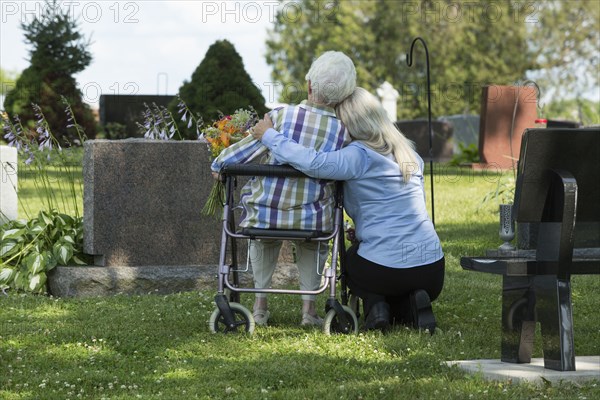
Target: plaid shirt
(289,203)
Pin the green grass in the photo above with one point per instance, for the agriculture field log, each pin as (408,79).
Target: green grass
(159,347)
(56,184)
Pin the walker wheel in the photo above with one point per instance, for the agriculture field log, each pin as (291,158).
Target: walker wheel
(244,321)
(331,323)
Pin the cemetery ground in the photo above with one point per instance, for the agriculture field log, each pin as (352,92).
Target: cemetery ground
(159,347)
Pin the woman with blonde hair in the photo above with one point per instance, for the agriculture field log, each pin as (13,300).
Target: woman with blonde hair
(396,264)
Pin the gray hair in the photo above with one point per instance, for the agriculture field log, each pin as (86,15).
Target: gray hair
(332,78)
(368,122)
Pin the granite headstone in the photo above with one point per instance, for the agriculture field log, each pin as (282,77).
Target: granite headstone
(506,111)
(143,221)
(417,130)
(465,129)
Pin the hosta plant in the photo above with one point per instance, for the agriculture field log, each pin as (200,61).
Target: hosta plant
(30,249)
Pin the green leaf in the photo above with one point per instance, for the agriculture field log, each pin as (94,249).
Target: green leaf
(20,280)
(51,260)
(63,252)
(61,221)
(18,224)
(37,281)
(7,275)
(35,262)
(12,234)
(67,220)
(45,218)
(7,248)
(68,239)
(35,227)
(79,261)
(54,233)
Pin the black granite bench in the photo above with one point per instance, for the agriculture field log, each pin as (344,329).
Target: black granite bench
(558,188)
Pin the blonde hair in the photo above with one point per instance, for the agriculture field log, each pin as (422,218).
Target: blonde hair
(368,122)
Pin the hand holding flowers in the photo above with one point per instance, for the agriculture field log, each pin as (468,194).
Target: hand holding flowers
(261,127)
(224,132)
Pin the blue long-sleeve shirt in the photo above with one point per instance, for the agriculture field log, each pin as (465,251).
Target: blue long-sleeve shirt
(390,216)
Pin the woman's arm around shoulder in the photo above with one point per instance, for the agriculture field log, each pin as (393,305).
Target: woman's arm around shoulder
(348,163)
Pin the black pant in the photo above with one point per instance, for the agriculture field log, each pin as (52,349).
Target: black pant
(374,282)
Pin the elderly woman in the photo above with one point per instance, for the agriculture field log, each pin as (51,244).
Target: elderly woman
(397,265)
(303,203)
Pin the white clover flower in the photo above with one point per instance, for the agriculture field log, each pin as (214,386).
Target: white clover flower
(230,390)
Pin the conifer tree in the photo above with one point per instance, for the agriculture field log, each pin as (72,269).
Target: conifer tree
(57,52)
(219,85)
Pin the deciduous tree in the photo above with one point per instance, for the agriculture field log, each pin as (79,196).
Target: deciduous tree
(471,44)
(565,36)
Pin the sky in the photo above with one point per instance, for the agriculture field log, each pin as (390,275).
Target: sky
(152,46)
(149,46)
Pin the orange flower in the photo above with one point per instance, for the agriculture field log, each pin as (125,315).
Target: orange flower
(228,129)
(225,136)
(221,134)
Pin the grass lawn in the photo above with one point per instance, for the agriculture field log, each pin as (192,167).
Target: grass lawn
(55,184)
(159,347)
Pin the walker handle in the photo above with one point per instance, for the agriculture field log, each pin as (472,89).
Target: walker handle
(282,171)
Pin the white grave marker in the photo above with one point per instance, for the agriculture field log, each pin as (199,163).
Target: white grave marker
(389,97)
(8,184)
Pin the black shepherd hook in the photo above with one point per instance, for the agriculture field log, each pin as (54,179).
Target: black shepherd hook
(409,62)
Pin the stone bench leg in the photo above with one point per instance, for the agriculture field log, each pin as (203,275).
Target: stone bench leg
(518,319)
(555,314)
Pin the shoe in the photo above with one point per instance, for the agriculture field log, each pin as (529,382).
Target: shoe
(309,320)
(421,311)
(261,317)
(378,317)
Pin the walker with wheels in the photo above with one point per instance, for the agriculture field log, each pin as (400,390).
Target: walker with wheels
(229,315)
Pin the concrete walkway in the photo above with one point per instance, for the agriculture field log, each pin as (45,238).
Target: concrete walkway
(588,368)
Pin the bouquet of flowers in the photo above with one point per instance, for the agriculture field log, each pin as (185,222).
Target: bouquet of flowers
(224,132)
